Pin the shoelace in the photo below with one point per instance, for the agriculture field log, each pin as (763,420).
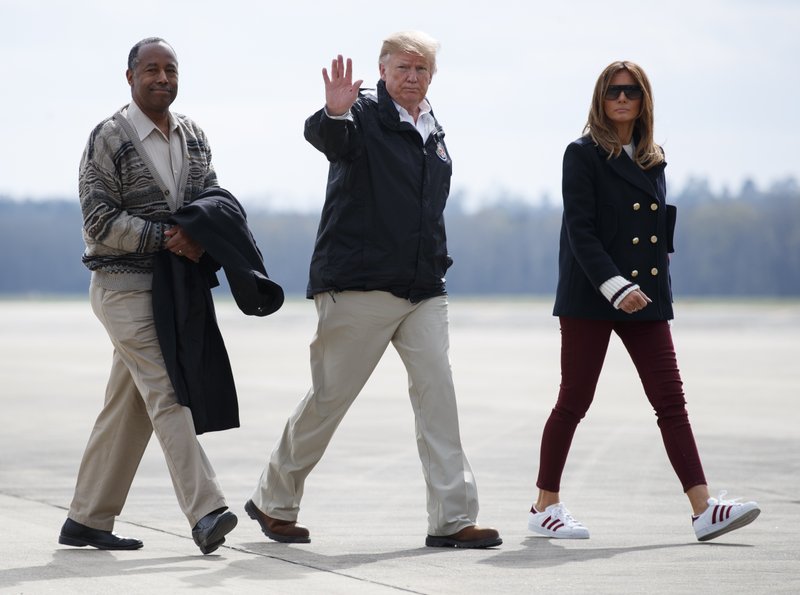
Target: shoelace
(721,508)
(721,499)
(562,514)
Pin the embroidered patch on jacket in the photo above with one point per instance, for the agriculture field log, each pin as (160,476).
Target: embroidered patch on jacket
(442,154)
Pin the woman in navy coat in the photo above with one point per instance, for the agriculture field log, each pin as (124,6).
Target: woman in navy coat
(616,236)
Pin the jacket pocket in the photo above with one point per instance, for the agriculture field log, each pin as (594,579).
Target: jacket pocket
(672,214)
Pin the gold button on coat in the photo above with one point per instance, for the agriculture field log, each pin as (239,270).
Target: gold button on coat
(654,271)
(636,206)
(634,273)
(635,241)
(654,206)
(653,239)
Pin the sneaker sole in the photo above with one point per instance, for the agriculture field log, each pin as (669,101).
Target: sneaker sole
(555,534)
(745,519)
(539,530)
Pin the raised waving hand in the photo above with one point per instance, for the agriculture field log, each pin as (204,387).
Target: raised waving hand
(340,90)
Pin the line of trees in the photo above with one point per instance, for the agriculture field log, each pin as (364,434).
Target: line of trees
(742,244)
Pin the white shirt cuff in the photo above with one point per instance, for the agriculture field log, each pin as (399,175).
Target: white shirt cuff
(345,116)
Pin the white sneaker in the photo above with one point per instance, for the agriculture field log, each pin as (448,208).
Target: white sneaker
(722,516)
(556,521)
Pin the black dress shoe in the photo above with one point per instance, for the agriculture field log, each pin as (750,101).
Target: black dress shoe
(210,531)
(73,533)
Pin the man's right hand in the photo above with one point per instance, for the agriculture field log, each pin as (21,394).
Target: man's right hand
(340,91)
(180,243)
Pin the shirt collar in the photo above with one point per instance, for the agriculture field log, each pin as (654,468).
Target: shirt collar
(424,108)
(143,125)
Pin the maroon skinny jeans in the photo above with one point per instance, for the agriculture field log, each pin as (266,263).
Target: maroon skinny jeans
(584,344)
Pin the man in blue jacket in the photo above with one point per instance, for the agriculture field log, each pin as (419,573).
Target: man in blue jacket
(377,277)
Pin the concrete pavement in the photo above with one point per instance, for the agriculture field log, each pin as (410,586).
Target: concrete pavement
(365,502)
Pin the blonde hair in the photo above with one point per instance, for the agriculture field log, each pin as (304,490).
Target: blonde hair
(603,131)
(410,42)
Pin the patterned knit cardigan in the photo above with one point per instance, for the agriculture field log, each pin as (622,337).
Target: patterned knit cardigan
(124,201)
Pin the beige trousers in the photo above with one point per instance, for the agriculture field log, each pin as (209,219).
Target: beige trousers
(139,401)
(353,331)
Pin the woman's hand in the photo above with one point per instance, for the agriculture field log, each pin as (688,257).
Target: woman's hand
(634,301)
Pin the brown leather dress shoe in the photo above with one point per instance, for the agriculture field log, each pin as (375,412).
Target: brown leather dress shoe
(283,531)
(469,537)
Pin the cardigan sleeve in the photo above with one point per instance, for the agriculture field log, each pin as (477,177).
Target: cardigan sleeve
(106,222)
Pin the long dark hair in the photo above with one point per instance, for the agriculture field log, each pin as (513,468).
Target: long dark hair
(602,130)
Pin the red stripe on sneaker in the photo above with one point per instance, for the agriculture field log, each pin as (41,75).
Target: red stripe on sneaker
(728,510)
(547,520)
(554,524)
(556,527)
(714,515)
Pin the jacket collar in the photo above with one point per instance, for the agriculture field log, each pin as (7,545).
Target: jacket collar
(624,167)
(390,117)
(388,113)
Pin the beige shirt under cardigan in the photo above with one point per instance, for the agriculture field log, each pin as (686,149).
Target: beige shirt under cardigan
(166,154)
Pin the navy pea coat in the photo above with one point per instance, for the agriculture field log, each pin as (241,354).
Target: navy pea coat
(616,222)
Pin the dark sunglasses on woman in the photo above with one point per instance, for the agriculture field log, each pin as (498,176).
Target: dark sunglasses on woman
(632,92)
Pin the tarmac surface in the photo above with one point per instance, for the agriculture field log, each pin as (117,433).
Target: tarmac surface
(365,501)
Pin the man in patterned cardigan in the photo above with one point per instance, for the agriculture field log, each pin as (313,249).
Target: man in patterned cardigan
(140,166)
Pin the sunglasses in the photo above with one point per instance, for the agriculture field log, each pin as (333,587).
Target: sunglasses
(632,92)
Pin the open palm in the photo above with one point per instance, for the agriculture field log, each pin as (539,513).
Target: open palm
(340,90)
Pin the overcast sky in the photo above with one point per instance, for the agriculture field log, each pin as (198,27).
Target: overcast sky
(513,88)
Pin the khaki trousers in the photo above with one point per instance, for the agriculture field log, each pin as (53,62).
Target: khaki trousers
(353,332)
(139,401)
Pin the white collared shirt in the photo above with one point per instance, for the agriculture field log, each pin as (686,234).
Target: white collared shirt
(425,123)
(165,153)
